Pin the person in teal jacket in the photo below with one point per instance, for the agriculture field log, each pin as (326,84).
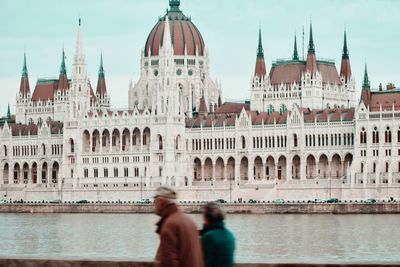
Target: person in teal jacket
(218,242)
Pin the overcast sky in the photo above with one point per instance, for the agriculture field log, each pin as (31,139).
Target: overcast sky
(119,29)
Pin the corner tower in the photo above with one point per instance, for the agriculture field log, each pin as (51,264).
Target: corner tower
(260,80)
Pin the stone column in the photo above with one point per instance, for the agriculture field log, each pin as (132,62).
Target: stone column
(30,175)
(202,172)
(225,172)
(288,170)
(39,174)
(250,171)
(90,143)
(237,172)
(303,175)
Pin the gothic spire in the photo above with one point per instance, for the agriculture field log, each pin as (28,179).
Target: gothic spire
(8,112)
(101,89)
(174,5)
(24,68)
(63,69)
(366,83)
(345,54)
(24,85)
(260,69)
(101,69)
(295,54)
(311,47)
(260,50)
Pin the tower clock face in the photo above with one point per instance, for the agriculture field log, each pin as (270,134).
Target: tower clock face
(156,73)
(190,72)
(179,72)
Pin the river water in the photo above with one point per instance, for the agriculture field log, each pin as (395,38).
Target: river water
(260,238)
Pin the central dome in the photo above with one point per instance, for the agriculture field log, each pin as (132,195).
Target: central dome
(183,34)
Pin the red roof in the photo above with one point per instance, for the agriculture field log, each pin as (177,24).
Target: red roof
(44,90)
(260,70)
(345,69)
(101,86)
(63,83)
(229,107)
(183,33)
(386,99)
(291,71)
(24,86)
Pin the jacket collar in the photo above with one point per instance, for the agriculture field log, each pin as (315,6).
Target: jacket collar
(165,213)
(212,226)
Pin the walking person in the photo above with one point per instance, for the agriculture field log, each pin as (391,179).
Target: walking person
(180,244)
(217,241)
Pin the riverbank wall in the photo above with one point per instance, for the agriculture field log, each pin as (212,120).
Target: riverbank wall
(115,263)
(300,208)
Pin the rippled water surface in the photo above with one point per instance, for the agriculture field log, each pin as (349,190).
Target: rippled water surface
(260,238)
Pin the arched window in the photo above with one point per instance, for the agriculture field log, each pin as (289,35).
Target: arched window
(375,136)
(388,135)
(160,142)
(387,167)
(243,142)
(363,136)
(295,140)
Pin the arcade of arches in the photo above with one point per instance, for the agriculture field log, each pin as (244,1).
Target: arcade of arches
(114,141)
(34,173)
(269,168)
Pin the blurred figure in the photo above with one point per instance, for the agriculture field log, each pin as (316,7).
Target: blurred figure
(218,242)
(180,244)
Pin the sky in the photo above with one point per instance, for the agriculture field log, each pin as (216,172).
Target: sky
(119,30)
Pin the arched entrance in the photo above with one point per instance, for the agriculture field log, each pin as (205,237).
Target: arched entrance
(281,173)
(296,167)
(258,168)
(96,141)
(230,169)
(219,169)
(25,172)
(54,173)
(208,169)
(86,141)
(323,166)
(336,166)
(105,140)
(44,173)
(17,173)
(311,167)
(244,169)
(6,173)
(197,175)
(126,140)
(348,160)
(34,173)
(270,169)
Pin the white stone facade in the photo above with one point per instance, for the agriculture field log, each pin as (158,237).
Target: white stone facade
(87,150)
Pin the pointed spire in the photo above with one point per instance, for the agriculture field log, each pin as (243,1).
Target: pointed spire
(101,69)
(167,42)
(24,85)
(311,47)
(260,50)
(366,83)
(203,107)
(260,69)
(101,89)
(311,63)
(63,69)
(295,54)
(8,112)
(24,68)
(345,54)
(345,69)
